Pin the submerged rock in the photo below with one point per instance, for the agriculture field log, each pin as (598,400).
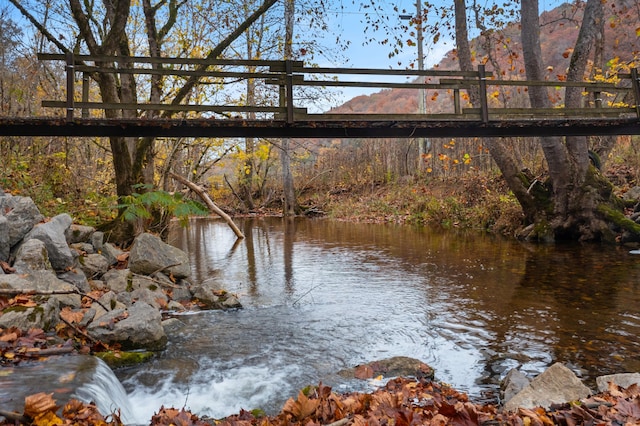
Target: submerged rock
(391,367)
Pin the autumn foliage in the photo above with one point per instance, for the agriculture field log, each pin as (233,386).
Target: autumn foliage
(402,402)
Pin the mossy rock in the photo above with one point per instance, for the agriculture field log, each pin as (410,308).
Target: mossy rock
(124,359)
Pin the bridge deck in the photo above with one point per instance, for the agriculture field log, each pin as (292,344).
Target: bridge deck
(318,128)
(606,108)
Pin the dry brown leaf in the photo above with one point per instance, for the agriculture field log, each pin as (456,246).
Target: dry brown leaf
(9,337)
(38,404)
(302,408)
(71,316)
(363,372)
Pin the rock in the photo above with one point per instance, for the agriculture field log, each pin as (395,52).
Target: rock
(32,256)
(52,235)
(182,292)
(149,254)
(632,194)
(172,325)
(108,302)
(93,265)
(5,247)
(118,280)
(78,233)
(623,380)
(76,278)
(155,298)
(97,241)
(175,306)
(43,316)
(124,359)
(41,282)
(556,385)
(83,248)
(139,327)
(111,253)
(231,302)
(21,214)
(513,383)
(390,367)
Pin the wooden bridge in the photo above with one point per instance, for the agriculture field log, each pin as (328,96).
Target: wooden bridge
(607,108)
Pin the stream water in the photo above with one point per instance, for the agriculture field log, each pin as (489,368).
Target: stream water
(320,296)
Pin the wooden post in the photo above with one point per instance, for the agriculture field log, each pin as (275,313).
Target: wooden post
(71,75)
(635,82)
(484,107)
(597,99)
(288,65)
(85,93)
(456,101)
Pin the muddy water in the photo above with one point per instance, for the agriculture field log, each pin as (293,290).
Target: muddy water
(320,296)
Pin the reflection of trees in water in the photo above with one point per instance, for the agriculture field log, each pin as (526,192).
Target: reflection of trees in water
(579,294)
(535,304)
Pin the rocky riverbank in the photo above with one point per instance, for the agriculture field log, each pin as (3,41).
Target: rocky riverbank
(64,279)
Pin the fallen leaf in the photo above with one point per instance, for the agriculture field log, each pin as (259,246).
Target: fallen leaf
(38,404)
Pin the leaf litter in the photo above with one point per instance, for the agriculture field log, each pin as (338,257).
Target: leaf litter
(401,402)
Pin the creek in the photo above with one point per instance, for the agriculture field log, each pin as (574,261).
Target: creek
(320,296)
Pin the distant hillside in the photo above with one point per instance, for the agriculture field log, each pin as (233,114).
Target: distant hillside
(559,31)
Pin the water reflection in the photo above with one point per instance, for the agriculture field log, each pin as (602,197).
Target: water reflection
(322,295)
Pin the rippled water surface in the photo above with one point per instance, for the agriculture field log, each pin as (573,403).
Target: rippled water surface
(320,296)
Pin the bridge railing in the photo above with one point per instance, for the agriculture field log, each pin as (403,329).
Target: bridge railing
(600,99)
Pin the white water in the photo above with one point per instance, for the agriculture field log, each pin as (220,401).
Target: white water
(107,392)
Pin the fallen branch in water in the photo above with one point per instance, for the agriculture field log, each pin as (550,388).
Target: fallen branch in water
(207,200)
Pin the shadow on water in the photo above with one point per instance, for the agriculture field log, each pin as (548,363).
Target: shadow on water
(320,296)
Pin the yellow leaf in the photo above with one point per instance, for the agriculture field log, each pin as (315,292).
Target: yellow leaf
(47,419)
(638,32)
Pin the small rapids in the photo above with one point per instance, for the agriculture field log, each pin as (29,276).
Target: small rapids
(322,296)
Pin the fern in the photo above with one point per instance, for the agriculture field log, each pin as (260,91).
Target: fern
(142,205)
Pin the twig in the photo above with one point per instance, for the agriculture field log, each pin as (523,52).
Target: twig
(49,351)
(82,333)
(15,417)
(340,422)
(305,293)
(157,281)
(15,291)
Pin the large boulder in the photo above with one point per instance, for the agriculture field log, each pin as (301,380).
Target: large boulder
(22,215)
(149,254)
(18,215)
(138,327)
(557,385)
(52,234)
